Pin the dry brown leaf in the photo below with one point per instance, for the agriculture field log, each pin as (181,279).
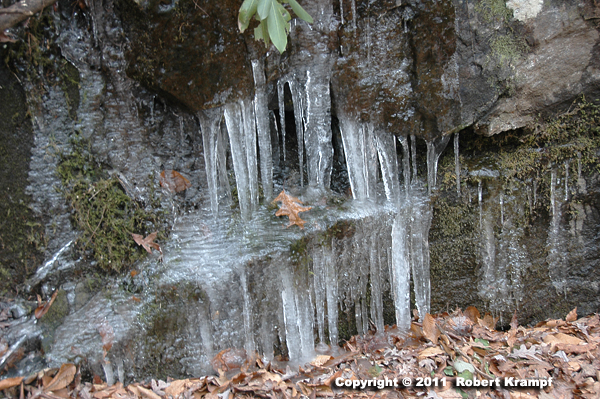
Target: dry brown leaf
(229,359)
(569,348)
(147,242)
(63,378)
(488,321)
(290,207)
(430,329)
(560,338)
(514,324)
(572,316)
(42,308)
(147,393)
(174,181)
(432,351)
(472,313)
(321,360)
(10,382)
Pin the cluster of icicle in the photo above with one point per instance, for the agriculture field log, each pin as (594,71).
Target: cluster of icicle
(370,152)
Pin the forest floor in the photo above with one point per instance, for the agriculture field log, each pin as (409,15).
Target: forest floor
(444,356)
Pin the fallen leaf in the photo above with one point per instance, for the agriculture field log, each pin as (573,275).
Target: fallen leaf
(63,378)
(10,382)
(472,313)
(432,351)
(321,360)
(42,309)
(572,316)
(229,359)
(290,207)
(146,393)
(147,242)
(561,338)
(430,329)
(514,324)
(488,321)
(174,181)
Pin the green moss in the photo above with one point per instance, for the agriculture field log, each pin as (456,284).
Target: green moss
(104,213)
(508,48)
(494,10)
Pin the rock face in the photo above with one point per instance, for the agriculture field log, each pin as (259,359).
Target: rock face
(368,97)
(416,67)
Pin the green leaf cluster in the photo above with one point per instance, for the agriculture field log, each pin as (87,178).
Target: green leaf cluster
(274,20)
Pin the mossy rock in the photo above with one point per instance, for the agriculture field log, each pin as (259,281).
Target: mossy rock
(104,212)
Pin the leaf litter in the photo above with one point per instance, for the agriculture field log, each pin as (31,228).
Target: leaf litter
(442,346)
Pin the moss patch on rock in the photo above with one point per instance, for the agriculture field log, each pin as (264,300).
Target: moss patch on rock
(104,213)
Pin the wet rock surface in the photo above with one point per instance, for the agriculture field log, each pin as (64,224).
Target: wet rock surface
(379,70)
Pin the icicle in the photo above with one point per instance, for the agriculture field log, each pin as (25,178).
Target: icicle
(578,166)
(281,100)
(413,150)
(298,318)
(501,209)
(319,280)
(331,291)
(479,197)
(405,163)
(375,278)
(419,252)
(369,159)
(342,11)
(386,150)
(535,183)
(317,136)
(489,281)
(274,129)
(354,15)
(242,140)
(368,35)
(224,189)
(457,163)
(299,118)
(434,150)
(290,318)
(247,314)
(401,271)
(261,110)
(361,157)
(108,372)
(556,243)
(210,125)
(249,119)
